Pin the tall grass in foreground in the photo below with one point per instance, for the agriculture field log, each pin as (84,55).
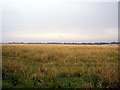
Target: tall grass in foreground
(60,66)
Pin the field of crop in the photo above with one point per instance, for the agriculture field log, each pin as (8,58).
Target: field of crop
(59,66)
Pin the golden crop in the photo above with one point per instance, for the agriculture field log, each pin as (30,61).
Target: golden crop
(57,65)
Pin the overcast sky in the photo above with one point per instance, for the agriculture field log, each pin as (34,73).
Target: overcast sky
(59,20)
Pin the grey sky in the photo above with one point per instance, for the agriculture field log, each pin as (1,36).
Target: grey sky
(59,20)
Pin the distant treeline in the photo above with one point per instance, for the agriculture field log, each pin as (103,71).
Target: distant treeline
(91,43)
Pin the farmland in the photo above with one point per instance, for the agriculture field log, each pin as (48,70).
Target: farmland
(59,66)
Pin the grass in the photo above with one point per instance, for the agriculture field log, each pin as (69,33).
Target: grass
(60,66)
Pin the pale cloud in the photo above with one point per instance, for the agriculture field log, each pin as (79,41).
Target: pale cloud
(0,21)
(62,20)
(106,35)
